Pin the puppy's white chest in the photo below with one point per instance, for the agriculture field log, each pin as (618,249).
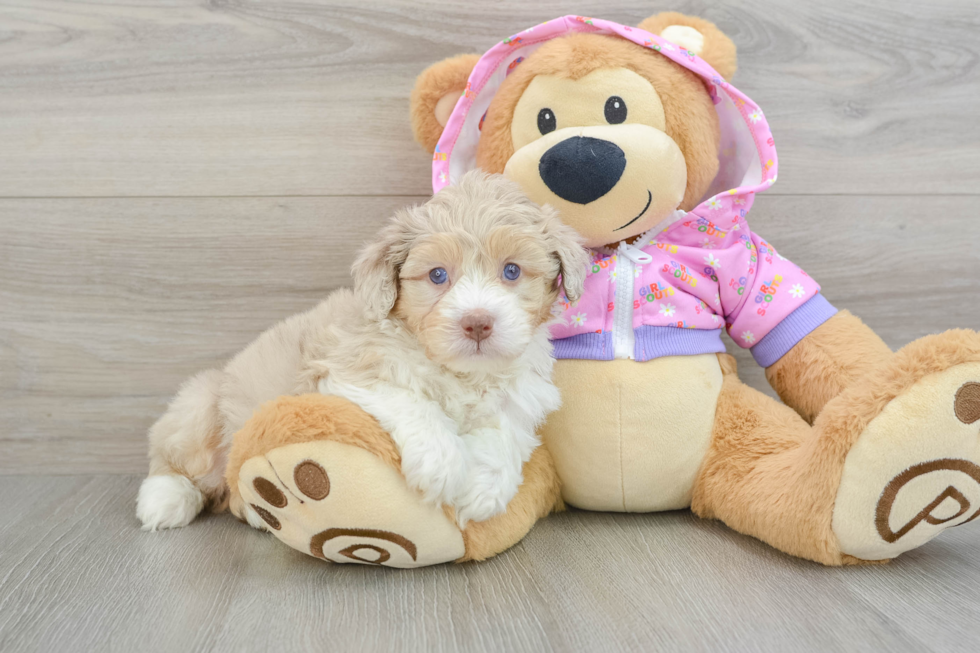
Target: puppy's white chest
(479,410)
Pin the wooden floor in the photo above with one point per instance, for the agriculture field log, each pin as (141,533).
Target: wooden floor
(85,578)
(177,175)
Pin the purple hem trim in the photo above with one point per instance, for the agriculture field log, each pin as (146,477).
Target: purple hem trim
(590,346)
(797,325)
(651,342)
(659,341)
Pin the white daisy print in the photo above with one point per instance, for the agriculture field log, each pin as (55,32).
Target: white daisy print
(797,291)
(667,310)
(707,243)
(578,319)
(714,203)
(755,116)
(637,271)
(714,318)
(717,299)
(612,276)
(711,260)
(748,337)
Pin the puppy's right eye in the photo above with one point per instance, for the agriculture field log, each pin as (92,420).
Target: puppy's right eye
(546,121)
(438,276)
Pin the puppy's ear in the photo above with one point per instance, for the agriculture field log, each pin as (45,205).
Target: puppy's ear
(376,268)
(698,36)
(567,246)
(435,94)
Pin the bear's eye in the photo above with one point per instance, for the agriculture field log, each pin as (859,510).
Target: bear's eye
(546,121)
(615,110)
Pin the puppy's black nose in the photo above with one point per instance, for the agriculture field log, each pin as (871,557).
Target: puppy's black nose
(582,169)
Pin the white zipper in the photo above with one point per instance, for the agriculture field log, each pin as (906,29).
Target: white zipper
(627,260)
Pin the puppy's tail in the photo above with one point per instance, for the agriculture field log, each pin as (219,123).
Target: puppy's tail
(169,501)
(187,457)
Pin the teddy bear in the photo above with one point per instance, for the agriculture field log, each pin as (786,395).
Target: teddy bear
(637,137)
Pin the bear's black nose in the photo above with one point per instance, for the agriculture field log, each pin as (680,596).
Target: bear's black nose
(582,169)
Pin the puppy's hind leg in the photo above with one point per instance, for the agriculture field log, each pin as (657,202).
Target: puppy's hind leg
(187,456)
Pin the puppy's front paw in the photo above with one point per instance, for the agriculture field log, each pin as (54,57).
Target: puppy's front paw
(488,491)
(436,468)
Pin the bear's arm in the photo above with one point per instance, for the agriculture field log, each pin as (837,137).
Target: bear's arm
(811,351)
(827,360)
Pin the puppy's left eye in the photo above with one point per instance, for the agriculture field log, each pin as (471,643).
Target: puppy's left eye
(438,276)
(511,271)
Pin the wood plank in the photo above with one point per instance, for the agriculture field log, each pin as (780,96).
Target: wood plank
(180,98)
(102,298)
(107,305)
(76,573)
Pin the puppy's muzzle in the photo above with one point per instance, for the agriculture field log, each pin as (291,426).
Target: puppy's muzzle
(477,325)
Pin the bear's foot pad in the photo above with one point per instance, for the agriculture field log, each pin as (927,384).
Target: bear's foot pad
(915,470)
(341,503)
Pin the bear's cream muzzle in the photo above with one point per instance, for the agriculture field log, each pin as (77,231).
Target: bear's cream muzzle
(603,179)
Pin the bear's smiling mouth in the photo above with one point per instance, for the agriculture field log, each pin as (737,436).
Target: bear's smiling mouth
(649,200)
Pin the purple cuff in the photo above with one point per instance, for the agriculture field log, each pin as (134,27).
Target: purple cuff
(590,346)
(797,325)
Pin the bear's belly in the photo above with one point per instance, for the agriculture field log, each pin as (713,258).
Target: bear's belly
(630,437)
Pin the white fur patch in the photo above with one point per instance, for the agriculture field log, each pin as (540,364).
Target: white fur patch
(168,502)
(494,474)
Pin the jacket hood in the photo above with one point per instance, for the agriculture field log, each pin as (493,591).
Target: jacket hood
(747,153)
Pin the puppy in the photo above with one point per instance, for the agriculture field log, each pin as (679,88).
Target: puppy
(444,340)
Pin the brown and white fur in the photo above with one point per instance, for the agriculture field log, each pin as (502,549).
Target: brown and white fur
(462,407)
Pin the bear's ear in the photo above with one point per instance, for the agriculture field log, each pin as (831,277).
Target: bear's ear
(697,35)
(435,94)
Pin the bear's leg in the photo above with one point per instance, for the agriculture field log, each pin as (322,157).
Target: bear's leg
(888,464)
(323,477)
(757,478)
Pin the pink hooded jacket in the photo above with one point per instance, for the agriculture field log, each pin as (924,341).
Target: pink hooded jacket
(672,291)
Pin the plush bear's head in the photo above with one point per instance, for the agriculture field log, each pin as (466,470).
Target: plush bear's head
(612,134)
